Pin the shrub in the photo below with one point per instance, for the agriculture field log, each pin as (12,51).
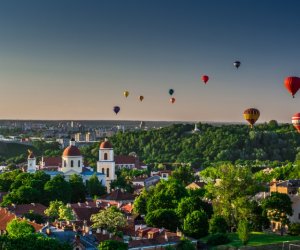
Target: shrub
(294,229)
(244,231)
(217,224)
(218,239)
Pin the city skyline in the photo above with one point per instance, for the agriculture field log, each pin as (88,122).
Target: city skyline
(72,60)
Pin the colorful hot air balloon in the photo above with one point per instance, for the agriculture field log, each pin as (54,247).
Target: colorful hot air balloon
(172,100)
(141,98)
(292,84)
(237,64)
(296,121)
(251,115)
(116,109)
(171,91)
(126,93)
(205,78)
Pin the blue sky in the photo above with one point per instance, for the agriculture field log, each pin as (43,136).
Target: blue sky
(73,59)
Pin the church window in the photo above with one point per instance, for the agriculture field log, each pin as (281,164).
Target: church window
(103,171)
(105,156)
(79,164)
(107,172)
(72,163)
(65,163)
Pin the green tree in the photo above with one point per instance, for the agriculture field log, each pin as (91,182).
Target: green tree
(65,213)
(32,242)
(58,189)
(217,224)
(183,174)
(19,228)
(112,245)
(196,224)
(166,194)
(231,193)
(185,244)
(243,231)
(94,187)
(34,217)
(189,204)
(278,207)
(77,188)
(166,218)
(53,209)
(140,203)
(110,219)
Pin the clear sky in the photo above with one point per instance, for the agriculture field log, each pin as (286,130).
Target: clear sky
(69,59)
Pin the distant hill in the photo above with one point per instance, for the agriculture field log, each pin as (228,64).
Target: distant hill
(8,150)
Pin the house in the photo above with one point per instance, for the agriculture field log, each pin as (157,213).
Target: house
(50,163)
(117,197)
(129,162)
(6,216)
(21,209)
(163,174)
(291,188)
(196,185)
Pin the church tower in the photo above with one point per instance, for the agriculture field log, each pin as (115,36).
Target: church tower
(31,162)
(106,163)
(72,160)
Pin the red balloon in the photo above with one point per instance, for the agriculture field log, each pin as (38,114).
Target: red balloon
(205,78)
(172,100)
(292,84)
(296,121)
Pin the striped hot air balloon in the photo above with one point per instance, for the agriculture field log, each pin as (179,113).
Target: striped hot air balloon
(296,121)
(251,115)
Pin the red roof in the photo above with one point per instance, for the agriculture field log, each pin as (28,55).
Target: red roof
(105,144)
(71,151)
(52,161)
(6,217)
(117,195)
(21,209)
(125,159)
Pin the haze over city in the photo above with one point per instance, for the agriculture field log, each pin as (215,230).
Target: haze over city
(74,59)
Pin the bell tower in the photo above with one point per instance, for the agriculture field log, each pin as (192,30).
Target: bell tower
(106,163)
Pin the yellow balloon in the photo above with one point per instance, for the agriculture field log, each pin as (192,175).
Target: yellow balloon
(126,93)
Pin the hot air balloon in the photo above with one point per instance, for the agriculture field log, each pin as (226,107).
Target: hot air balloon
(296,121)
(172,100)
(251,115)
(116,109)
(126,93)
(205,78)
(292,84)
(141,98)
(237,64)
(171,91)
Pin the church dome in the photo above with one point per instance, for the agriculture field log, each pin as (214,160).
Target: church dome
(71,151)
(105,144)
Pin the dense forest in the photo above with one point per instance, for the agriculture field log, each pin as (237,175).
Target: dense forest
(266,144)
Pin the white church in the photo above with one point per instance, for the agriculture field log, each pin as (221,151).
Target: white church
(72,163)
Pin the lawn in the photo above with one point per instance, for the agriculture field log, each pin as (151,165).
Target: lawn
(259,238)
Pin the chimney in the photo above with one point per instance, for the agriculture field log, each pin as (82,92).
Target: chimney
(166,236)
(79,204)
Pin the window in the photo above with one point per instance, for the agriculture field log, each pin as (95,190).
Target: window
(65,163)
(107,172)
(105,156)
(103,171)
(72,163)
(79,164)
